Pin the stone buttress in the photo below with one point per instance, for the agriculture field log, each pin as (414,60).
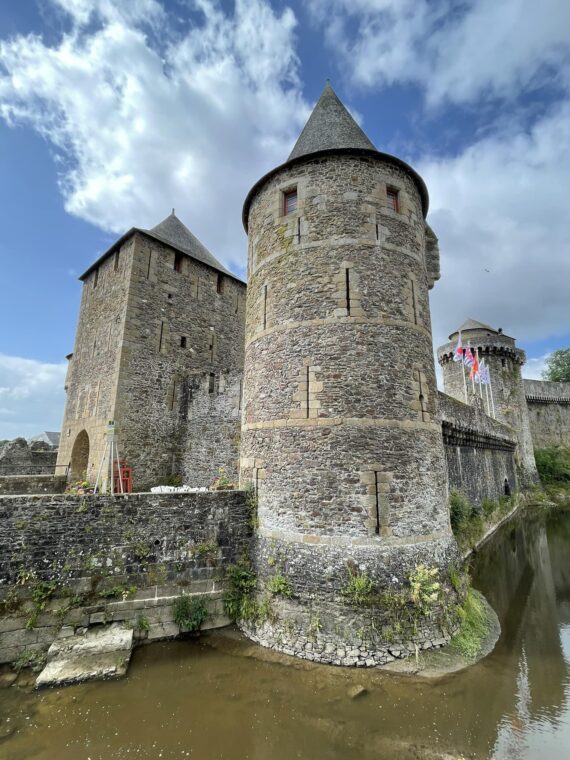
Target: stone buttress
(340,437)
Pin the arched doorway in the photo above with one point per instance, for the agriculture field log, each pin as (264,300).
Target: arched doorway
(80,456)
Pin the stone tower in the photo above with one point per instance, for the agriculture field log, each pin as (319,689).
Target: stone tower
(159,350)
(339,433)
(505,361)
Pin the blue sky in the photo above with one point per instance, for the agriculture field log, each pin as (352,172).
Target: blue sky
(111,113)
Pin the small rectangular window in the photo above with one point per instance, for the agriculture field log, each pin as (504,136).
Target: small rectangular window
(290,202)
(393,200)
(177,262)
(212,383)
(220,284)
(183,342)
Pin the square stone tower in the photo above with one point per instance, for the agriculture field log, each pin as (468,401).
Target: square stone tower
(159,350)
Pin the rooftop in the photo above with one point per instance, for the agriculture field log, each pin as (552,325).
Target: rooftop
(174,233)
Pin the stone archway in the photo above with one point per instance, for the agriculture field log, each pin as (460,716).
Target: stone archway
(80,456)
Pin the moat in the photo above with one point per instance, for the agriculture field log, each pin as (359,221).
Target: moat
(222,697)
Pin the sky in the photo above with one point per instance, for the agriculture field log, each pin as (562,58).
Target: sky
(114,112)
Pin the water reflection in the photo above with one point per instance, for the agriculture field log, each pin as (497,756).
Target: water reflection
(225,698)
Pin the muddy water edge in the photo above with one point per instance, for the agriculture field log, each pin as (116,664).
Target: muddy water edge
(222,697)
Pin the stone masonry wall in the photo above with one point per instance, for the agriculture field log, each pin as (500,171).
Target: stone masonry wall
(479,451)
(505,362)
(36,484)
(112,558)
(549,412)
(182,338)
(94,366)
(340,435)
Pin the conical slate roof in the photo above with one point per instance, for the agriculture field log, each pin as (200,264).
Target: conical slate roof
(472,324)
(172,231)
(329,127)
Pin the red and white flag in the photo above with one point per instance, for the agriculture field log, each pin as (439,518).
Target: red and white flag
(468,357)
(474,374)
(459,351)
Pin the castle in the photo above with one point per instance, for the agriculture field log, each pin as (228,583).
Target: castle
(318,388)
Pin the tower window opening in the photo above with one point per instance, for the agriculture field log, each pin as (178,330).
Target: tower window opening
(377,233)
(177,262)
(347,286)
(149,264)
(298,230)
(183,341)
(212,383)
(393,199)
(290,202)
(377,526)
(264,307)
(220,284)
(116,261)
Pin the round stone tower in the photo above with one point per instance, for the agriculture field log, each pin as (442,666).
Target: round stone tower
(340,437)
(504,361)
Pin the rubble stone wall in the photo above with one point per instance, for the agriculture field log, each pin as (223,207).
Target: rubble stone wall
(549,412)
(112,558)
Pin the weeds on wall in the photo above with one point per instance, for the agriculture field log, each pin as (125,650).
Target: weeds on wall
(239,599)
(475,626)
(279,585)
(190,613)
(470,524)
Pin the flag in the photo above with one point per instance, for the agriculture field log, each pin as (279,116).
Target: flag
(468,357)
(459,351)
(474,374)
(484,374)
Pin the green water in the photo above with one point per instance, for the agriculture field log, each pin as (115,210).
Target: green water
(222,697)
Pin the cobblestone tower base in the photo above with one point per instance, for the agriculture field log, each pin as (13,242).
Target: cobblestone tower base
(339,436)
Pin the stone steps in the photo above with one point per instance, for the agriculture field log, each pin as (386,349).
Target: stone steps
(102,652)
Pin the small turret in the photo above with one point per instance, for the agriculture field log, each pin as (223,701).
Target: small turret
(504,361)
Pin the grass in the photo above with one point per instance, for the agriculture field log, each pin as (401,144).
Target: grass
(553,464)
(474,627)
(470,524)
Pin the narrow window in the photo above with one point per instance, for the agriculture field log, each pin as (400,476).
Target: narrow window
(149,263)
(189,404)
(298,230)
(170,296)
(290,202)
(347,285)
(393,199)
(183,342)
(212,383)
(173,399)
(177,262)
(94,348)
(377,526)
(95,278)
(240,395)
(161,334)
(212,346)
(264,307)
(116,261)
(414,304)
(308,391)
(377,233)
(220,284)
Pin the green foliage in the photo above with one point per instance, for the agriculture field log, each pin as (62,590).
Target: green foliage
(251,504)
(425,589)
(30,658)
(204,549)
(142,624)
(241,583)
(474,627)
(553,464)
(460,509)
(190,612)
(359,589)
(558,366)
(279,585)
(10,602)
(222,482)
(119,589)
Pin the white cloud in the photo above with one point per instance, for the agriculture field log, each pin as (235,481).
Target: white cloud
(140,129)
(500,206)
(31,396)
(457,50)
(534,367)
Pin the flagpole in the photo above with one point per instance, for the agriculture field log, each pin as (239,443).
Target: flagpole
(463,373)
(491,394)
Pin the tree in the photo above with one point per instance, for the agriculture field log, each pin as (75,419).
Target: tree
(558,366)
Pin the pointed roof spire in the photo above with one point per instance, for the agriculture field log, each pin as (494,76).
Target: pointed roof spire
(473,324)
(330,126)
(172,231)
